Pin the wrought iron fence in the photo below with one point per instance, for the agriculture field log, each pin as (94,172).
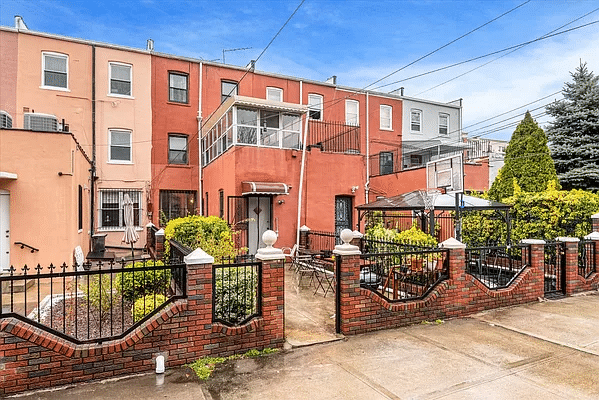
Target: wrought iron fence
(322,242)
(91,303)
(554,268)
(497,266)
(587,254)
(336,137)
(405,275)
(236,289)
(177,251)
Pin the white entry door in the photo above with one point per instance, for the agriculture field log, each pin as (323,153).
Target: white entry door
(259,213)
(4,230)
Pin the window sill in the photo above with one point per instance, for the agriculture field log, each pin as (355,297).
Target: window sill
(386,129)
(119,162)
(80,231)
(121,96)
(186,166)
(60,89)
(176,103)
(117,229)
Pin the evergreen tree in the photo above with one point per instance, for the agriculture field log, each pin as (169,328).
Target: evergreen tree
(527,158)
(574,134)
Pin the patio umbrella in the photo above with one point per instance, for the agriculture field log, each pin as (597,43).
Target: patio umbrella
(130,235)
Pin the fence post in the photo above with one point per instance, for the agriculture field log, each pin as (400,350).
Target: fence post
(303,241)
(457,258)
(159,235)
(347,272)
(537,264)
(273,288)
(571,267)
(594,236)
(595,219)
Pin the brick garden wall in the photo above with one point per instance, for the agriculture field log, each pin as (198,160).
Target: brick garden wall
(462,294)
(33,359)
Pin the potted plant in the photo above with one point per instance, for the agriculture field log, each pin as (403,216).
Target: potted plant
(420,241)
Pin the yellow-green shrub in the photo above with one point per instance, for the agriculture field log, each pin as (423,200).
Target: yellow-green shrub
(145,305)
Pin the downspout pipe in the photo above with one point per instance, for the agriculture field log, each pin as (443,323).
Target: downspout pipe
(367,184)
(301,182)
(200,166)
(92,184)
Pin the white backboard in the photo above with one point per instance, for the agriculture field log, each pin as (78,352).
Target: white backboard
(446,173)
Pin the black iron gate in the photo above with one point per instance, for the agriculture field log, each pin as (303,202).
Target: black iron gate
(554,268)
(343,215)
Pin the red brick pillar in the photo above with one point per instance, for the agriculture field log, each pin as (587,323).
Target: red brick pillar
(536,261)
(595,219)
(347,273)
(457,258)
(159,235)
(273,290)
(303,238)
(571,266)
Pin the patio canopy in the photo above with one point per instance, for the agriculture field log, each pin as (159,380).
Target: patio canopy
(268,188)
(416,201)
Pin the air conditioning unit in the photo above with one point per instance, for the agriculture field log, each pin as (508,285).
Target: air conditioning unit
(5,120)
(40,122)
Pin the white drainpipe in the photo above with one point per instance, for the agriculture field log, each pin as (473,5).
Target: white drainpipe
(301,182)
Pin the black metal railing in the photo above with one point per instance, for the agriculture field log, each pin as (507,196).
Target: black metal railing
(322,242)
(335,137)
(497,266)
(374,244)
(405,275)
(94,302)
(177,251)
(554,268)
(236,291)
(23,245)
(587,256)
(151,240)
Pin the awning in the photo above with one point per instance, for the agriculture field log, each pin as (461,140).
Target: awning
(7,175)
(269,188)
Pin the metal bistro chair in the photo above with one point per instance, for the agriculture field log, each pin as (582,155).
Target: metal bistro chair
(323,278)
(301,264)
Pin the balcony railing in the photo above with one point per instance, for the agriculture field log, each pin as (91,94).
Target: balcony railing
(334,137)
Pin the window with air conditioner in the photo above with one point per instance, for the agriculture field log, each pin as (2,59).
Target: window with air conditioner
(55,71)
(5,120)
(40,122)
(120,79)
(315,106)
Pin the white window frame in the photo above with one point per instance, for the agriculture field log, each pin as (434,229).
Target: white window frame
(444,115)
(110,160)
(233,93)
(386,123)
(57,55)
(110,64)
(121,194)
(274,92)
(419,112)
(349,115)
(316,103)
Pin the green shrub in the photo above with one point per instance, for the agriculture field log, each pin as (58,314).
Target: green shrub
(211,234)
(133,285)
(100,292)
(145,305)
(235,293)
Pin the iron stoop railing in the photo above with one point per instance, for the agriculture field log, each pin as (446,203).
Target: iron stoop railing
(91,303)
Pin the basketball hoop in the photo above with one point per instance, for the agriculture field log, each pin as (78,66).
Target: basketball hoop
(429,196)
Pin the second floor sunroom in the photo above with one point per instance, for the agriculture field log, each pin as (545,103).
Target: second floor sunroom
(252,122)
(248,121)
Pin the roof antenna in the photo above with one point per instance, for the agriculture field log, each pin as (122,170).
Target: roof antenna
(238,49)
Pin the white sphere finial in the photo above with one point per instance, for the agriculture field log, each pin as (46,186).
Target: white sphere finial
(269,238)
(346,235)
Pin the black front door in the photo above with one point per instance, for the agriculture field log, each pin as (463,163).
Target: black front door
(343,215)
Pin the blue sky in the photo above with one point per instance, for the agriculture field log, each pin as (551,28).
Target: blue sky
(359,42)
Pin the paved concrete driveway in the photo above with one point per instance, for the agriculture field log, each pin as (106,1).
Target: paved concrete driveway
(547,350)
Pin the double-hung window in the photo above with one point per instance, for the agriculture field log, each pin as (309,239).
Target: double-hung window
(177,149)
(111,207)
(227,89)
(55,69)
(416,120)
(274,94)
(119,145)
(385,163)
(315,106)
(443,124)
(120,79)
(386,122)
(352,116)
(177,203)
(177,87)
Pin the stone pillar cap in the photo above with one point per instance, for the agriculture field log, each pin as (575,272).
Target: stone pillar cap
(304,228)
(567,239)
(269,253)
(452,243)
(595,215)
(533,241)
(149,225)
(160,232)
(346,249)
(198,256)
(358,234)
(592,236)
